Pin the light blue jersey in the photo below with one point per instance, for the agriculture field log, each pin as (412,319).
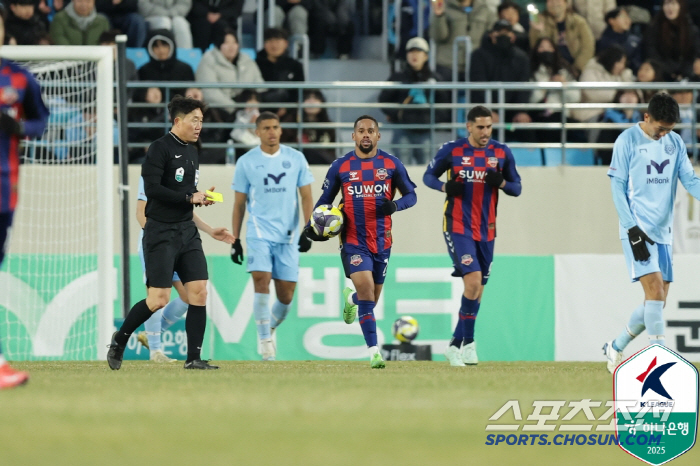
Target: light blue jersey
(142,191)
(271,182)
(651,170)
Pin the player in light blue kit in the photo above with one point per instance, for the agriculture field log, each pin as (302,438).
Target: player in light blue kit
(648,160)
(163,319)
(266,182)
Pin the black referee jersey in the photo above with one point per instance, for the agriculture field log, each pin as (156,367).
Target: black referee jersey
(170,172)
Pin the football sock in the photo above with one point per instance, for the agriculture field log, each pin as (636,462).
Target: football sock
(153,329)
(372,351)
(354,298)
(261,311)
(467,315)
(195,324)
(456,341)
(368,324)
(172,313)
(279,313)
(635,326)
(137,316)
(654,321)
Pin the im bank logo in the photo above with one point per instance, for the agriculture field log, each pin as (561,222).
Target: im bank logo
(660,390)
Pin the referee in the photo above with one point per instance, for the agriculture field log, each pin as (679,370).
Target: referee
(171,242)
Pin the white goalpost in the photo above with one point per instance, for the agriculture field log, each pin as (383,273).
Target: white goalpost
(57,285)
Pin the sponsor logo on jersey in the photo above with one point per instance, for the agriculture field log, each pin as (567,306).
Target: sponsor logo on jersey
(368,190)
(354,176)
(467,259)
(356,260)
(472,176)
(381,173)
(493,162)
(468,161)
(277,179)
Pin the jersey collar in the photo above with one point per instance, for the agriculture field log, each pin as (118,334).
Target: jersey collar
(177,138)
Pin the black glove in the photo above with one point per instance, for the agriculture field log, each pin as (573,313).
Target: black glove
(237,252)
(9,125)
(304,242)
(453,188)
(494,177)
(311,234)
(638,240)
(388,207)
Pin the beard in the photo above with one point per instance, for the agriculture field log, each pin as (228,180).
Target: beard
(366,150)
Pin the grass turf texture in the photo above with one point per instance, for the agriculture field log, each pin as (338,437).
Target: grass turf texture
(329,413)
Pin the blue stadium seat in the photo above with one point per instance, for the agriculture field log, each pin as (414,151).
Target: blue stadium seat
(190,56)
(552,157)
(527,157)
(138,55)
(250,52)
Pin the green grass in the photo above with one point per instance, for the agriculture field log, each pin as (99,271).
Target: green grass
(290,413)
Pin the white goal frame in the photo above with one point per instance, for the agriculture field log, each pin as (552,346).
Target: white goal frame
(104,57)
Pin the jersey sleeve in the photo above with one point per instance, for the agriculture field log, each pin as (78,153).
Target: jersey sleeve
(331,185)
(142,190)
(686,174)
(36,114)
(305,176)
(241,183)
(152,173)
(513,186)
(401,179)
(620,164)
(439,165)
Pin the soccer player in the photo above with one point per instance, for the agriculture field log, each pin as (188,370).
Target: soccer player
(266,181)
(164,318)
(478,168)
(648,160)
(367,178)
(171,242)
(22,114)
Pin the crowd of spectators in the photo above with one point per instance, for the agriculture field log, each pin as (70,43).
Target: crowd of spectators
(647,41)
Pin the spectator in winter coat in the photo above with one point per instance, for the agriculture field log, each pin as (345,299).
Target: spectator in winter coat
(78,23)
(208,18)
(276,65)
(169,14)
(511,12)
(593,11)
(224,64)
(164,66)
(23,23)
(618,32)
(124,15)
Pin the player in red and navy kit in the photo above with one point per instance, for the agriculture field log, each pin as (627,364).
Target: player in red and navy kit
(477,169)
(22,113)
(367,179)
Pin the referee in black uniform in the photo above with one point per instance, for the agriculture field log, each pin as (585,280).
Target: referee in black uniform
(171,242)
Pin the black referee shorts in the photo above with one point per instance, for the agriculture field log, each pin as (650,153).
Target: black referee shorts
(173,247)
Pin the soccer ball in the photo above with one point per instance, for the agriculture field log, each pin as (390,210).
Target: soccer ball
(405,329)
(327,220)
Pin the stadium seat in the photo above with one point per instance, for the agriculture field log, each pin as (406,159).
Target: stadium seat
(552,157)
(527,157)
(250,52)
(138,55)
(190,56)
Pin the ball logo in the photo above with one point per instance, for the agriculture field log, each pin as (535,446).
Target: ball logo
(467,259)
(356,260)
(381,173)
(287,164)
(493,162)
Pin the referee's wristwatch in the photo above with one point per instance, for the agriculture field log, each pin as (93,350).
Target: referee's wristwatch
(188,198)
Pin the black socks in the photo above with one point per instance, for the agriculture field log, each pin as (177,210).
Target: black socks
(195,323)
(137,316)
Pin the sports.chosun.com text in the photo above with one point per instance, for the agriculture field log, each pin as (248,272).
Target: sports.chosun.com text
(652,441)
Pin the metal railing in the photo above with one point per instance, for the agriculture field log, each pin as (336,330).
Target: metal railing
(433,127)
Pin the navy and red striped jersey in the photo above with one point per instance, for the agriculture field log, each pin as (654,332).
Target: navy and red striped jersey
(474,212)
(20,98)
(365,185)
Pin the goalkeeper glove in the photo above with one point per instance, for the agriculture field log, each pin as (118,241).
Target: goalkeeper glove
(304,242)
(388,207)
(310,233)
(237,252)
(638,240)
(9,125)
(453,188)
(494,178)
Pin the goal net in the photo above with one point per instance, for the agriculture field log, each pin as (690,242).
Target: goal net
(57,286)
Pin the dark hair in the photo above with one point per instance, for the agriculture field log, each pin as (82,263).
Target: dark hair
(508,4)
(478,112)
(109,37)
(275,33)
(663,107)
(220,36)
(365,117)
(608,57)
(180,106)
(246,95)
(266,116)
(621,92)
(673,39)
(558,62)
(612,14)
(658,69)
(323,114)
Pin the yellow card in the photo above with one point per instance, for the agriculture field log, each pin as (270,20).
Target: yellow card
(212,196)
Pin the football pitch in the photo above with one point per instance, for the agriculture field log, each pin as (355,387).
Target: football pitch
(330,413)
